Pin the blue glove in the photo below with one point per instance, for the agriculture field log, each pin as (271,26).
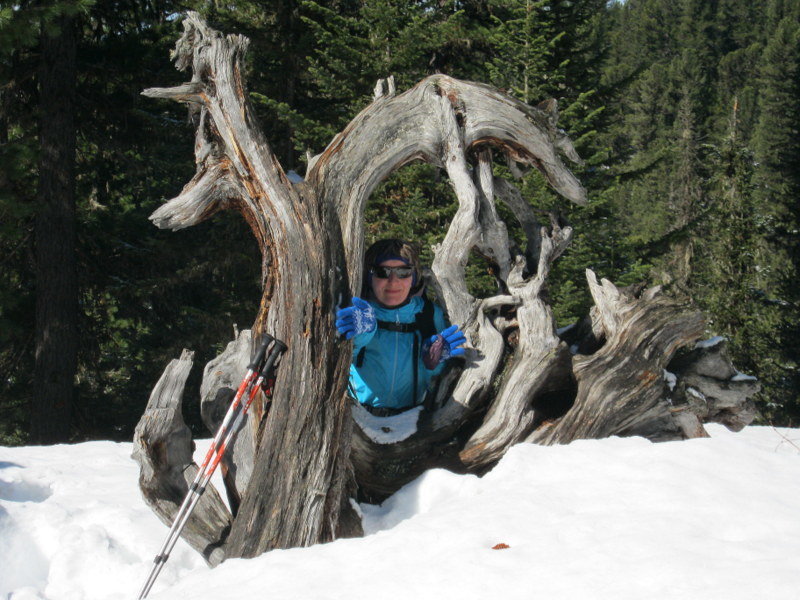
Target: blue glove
(356,319)
(443,346)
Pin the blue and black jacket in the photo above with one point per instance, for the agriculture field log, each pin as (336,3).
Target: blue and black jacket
(387,369)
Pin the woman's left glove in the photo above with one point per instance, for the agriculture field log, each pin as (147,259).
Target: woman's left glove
(355,319)
(443,346)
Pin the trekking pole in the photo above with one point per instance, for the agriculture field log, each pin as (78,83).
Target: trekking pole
(221,440)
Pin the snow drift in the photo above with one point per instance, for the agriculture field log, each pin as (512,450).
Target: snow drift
(616,518)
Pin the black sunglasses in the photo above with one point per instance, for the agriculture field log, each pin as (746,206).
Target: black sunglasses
(384,272)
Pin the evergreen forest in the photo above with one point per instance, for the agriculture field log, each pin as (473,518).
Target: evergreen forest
(686,113)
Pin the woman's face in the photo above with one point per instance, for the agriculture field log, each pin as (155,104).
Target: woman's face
(392,291)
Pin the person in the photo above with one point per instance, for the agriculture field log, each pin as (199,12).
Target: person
(401,339)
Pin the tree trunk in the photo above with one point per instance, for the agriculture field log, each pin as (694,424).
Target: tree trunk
(301,481)
(292,475)
(56,274)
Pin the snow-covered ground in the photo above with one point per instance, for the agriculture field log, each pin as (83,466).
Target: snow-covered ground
(619,519)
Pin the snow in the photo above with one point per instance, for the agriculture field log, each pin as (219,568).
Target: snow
(696,393)
(619,519)
(387,430)
(562,330)
(710,343)
(295,177)
(671,379)
(743,377)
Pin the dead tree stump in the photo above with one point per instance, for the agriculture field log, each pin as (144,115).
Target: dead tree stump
(293,474)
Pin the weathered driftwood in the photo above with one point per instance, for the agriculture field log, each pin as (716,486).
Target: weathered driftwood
(162,445)
(621,385)
(707,386)
(221,378)
(293,473)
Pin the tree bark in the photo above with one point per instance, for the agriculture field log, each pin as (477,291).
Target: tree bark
(621,386)
(301,481)
(56,274)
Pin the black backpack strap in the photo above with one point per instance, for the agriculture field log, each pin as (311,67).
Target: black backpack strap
(389,326)
(416,366)
(424,322)
(401,327)
(426,327)
(360,357)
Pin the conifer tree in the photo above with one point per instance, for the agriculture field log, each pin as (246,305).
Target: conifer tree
(18,156)
(129,311)
(726,271)
(56,270)
(522,40)
(407,41)
(777,185)
(645,88)
(37,53)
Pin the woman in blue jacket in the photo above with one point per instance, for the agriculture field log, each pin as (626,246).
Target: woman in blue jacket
(396,347)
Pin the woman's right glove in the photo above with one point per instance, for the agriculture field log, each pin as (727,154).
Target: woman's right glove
(442,346)
(356,319)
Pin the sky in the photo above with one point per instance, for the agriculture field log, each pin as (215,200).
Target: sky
(715,518)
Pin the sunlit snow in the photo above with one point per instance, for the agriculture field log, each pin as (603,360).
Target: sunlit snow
(613,519)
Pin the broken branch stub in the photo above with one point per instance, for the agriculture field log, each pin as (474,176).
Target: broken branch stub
(162,445)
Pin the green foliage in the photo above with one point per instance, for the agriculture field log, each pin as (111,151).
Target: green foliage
(143,297)
(146,294)
(708,98)
(522,41)
(686,114)
(775,192)
(20,25)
